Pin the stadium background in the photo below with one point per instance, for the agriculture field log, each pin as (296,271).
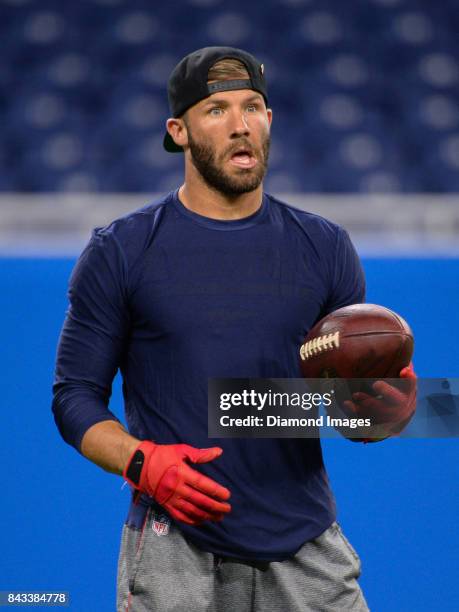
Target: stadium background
(366,131)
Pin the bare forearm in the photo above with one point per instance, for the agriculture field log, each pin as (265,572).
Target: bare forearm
(109,445)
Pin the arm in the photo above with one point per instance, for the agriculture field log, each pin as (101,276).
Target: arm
(109,445)
(93,339)
(92,345)
(391,407)
(347,284)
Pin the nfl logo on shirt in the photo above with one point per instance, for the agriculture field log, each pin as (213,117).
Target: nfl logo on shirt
(161,524)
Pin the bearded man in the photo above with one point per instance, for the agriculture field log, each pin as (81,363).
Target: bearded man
(217,279)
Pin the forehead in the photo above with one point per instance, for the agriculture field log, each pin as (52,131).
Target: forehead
(229,97)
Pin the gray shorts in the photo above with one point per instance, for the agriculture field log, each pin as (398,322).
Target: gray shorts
(160,571)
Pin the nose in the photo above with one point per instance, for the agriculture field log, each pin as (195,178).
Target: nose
(239,125)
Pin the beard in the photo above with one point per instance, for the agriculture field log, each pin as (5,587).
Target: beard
(205,161)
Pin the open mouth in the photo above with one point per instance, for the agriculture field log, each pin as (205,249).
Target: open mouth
(243,158)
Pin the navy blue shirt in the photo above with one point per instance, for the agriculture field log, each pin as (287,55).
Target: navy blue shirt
(173,298)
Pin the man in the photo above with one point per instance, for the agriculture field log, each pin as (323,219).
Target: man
(216,279)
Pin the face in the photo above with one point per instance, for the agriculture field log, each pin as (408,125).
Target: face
(228,140)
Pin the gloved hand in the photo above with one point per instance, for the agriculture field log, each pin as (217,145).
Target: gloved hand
(391,410)
(162,472)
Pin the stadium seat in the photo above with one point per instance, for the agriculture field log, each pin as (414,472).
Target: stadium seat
(365,94)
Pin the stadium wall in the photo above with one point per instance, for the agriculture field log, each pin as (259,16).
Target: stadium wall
(62,516)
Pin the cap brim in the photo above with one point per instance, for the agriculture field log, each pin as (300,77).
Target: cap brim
(169,144)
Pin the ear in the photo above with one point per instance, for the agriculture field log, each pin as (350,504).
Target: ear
(269,112)
(177,130)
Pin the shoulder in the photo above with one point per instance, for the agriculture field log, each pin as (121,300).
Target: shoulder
(313,225)
(136,222)
(132,233)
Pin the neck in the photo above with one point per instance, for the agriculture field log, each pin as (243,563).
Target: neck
(199,197)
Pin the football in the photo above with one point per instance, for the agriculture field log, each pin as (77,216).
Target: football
(358,341)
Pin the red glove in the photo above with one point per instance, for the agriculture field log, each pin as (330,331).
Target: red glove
(161,471)
(391,409)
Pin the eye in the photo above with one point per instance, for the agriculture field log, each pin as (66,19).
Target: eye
(216,111)
(252,108)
